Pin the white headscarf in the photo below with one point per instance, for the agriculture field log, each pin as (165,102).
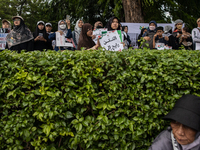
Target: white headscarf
(77,30)
(63,30)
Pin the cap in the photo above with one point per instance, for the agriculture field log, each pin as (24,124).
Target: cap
(4,20)
(40,22)
(159,28)
(178,21)
(167,29)
(186,111)
(17,17)
(48,24)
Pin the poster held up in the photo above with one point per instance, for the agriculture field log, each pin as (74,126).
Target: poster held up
(111,41)
(62,41)
(3,40)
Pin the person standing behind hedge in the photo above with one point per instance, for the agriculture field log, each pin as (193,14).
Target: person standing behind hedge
(184,130)
(113,24)
(140,36)
(20,38)
(126,36)
(63,28)
(85,39)
(6,26)
(41,40)
(186,39)
(196,35)
(77,31)
(148,36)
(178,32)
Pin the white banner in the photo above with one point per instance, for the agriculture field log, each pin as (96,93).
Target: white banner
(134,29)
(62,41)
(111,41)
(3,40)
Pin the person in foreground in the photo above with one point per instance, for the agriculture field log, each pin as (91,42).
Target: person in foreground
(184,130)
(85,39)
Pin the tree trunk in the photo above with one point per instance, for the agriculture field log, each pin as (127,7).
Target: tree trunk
(133,11)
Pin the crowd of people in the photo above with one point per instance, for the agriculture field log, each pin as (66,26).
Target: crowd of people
(184,130)
(21,38)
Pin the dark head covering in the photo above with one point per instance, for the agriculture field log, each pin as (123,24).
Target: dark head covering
(186,111)
(123,27)
(159,28)
(37,30)
(108,26)
(84,40)
(154,23)
(19,34)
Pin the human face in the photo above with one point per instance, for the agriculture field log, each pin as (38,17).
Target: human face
(183,134)
(198,23)
(48,28)
(114,24)
(126,29)
(159,33)
(89,33)
(179,26)
(80,24)
(144,31)
(16,21)
(40,26)
(5,25)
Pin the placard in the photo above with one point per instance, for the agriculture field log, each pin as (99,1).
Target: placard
(162,46)
(197,46)
(3,40)
(62,41)
(98,32)
(111,41)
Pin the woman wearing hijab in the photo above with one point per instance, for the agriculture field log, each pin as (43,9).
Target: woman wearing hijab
(63,28)
(77,31)
(40,35)
(127,40)
(113,24)
(140,36)
(85,39)
(98,25)
(184,130)
(148,36)
(20,38)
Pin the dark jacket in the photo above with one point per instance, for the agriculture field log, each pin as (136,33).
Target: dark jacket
(163,142)
(150,33)
(28,46)
(52,37)
(177,40)
(41,45)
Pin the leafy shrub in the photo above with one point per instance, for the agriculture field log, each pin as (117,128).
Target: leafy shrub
(91,100)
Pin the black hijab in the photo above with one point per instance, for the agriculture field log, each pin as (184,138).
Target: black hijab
(19,34)
(108,26)
(84,40)
(37,31)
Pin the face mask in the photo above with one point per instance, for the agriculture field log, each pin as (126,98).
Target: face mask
(62,26)
(179,27)
(152,27)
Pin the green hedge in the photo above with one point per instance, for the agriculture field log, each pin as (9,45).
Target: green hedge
(91,100)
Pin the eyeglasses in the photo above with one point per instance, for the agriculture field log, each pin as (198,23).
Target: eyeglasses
(16,20)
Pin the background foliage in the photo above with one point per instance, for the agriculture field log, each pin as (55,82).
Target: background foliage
(91,99)
(92,11)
